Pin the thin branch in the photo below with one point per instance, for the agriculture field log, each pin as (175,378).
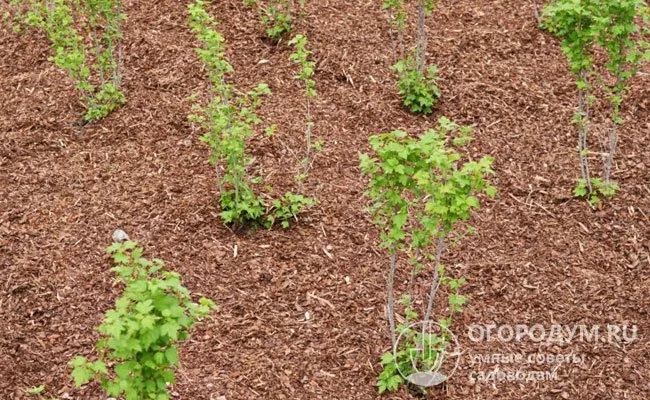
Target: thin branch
(435,283)
(391,299)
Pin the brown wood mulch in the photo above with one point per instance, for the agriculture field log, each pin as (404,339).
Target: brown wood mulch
(539,256)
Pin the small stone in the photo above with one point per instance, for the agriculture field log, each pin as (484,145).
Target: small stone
(120,236)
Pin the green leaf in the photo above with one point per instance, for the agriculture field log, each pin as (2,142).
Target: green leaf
(472,202)
(170,329)
(387,358)
(123,370)
(35,390)
(171,354)
(81,375)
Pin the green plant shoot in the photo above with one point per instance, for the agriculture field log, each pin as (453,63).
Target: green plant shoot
(139,352)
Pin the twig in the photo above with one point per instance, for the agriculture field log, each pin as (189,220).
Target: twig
(533,203)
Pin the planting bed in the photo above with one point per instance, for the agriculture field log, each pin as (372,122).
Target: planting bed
(539,256)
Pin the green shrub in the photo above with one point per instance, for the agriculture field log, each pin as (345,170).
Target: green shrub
(70,25)
(139,352)
(419,90)
(229,119)
(421,196)
(583,26)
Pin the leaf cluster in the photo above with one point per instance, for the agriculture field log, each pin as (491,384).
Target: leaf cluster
(610,24)
(399,13)
(599,188)
(300,56)
(278,19)
(139,352)
(421,188)
(70,25)
(287,208)
(419,90)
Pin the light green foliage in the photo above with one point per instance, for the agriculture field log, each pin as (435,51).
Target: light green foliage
(583,26)
(573,21)
(288,207)
(598,187)
(419,91)
(35,390)
(421,191)
(276,15)
(14,14)
(95,69)
(422,180)
(615,30)
(139,352)
(229,120)
(301,57)
(398,13)
(278,19)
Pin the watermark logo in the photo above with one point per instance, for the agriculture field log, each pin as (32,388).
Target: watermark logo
(554,334)
(426,355)
(534,367)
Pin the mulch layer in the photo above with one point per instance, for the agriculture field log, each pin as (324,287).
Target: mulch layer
(538,257)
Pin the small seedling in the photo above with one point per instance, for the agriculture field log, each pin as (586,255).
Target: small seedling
(301,58)
(95,69)
(419,90)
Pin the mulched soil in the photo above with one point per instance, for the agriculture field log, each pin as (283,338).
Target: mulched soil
(539,256)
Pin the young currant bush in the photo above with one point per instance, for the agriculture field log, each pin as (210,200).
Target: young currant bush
(419,90)
(278,16)
(96,70)
(139,352)
(417,83)
(422,194)
(582,25)
(229,120)
(617,34)
(301,58)
(397,17)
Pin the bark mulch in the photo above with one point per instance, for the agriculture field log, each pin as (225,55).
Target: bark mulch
(539,256)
